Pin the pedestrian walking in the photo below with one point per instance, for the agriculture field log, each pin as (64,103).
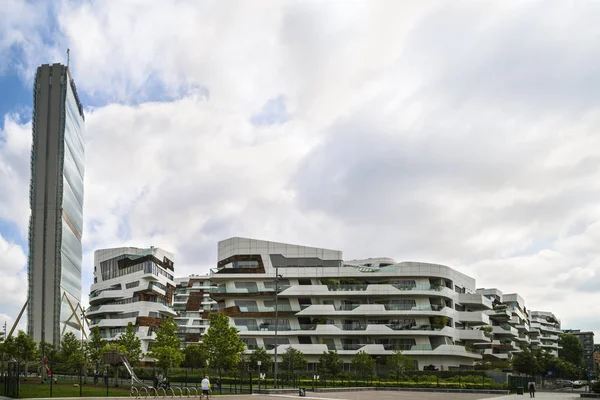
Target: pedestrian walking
(531,386)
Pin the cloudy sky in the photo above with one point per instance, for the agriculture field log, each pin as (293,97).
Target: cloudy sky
(462,133)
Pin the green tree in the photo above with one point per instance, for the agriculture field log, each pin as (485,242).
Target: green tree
(222,344)
(260,354)
(195,356)
(547,361)
(132,344)
(167,347)
(397,364)
(95,347)
(363,364)
(22,348)
(571,349)
(526,362)
(331,363)
(71,351)
(48,350)
(292,361)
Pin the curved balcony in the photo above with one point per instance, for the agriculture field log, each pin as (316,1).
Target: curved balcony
(107,295)
(125,306)
(501,313)
(258,311)
(221,292)
(347,330)
(473,335)
(475,301)
(473,317)
(368,290)
(378,310)
(114,322)
(505,329)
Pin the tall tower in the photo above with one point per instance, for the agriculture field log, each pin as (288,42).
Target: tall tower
(56,201)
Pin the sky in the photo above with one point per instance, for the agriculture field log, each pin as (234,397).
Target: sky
(461,133)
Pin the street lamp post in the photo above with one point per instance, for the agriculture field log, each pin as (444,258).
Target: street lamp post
(3,351)
(83,353)
(277,276)
(258,363)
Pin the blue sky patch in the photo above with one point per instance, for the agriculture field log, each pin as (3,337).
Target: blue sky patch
(15,97)
(10,233)
(273,112)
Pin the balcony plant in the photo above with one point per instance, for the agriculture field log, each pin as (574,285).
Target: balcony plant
(439,321)
(487,330)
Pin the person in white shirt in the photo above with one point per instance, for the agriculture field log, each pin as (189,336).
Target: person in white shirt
(205,386)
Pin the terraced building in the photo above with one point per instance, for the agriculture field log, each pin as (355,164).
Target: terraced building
(193,305)
(131,285)
(284,295)
(547,328)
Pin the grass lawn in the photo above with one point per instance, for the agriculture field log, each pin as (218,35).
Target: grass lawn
(34,389)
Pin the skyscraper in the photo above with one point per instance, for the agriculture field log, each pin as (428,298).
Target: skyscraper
(56,201)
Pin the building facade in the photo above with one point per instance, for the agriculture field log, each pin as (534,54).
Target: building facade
(546,328)
(430,312)
(131,285)
(56,201)
(193,305)
(510,328)
(586,339)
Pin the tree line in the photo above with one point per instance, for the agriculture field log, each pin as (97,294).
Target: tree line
(222,350)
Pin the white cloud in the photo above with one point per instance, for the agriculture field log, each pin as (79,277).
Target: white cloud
(457,133)
(13,284)
(15,148)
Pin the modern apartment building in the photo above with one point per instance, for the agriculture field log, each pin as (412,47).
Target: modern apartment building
(546,328)
(131,285)
(510,325)
(586,339)
(193,305)
(320,302)
(56,201)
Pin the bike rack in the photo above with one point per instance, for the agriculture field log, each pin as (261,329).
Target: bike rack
(172,391)
(163,390)
(144,389)
(195,391)
(185,391)
(176,389)
(137,393)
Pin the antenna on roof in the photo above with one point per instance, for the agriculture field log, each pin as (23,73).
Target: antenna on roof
(68,57)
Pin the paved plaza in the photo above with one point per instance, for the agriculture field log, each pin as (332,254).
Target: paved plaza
(393,395)
(381,395)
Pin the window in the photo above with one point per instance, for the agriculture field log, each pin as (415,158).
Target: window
(404,283)
(270,342)
(248,324)
(283,303)
(245,303)
(245,264)
(132,285)
(249,286)
(250,343)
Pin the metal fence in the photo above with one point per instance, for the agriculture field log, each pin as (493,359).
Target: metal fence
(64,380)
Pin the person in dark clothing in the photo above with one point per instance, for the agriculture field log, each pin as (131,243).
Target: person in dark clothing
(105,377)
(531,387)
(96,376)
(155,380)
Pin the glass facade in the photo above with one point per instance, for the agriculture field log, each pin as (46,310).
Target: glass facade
(72,208)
